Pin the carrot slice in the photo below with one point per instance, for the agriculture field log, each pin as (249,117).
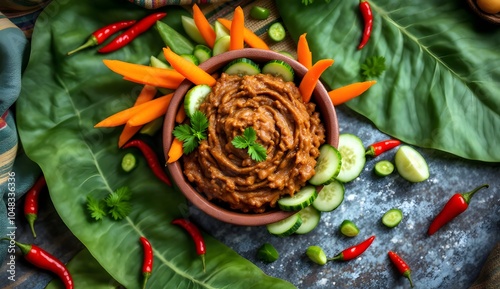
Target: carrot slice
(159,77)
(304,55)
(180,116)
(201,22)
(145,116)
(237,30)
(311,78)
(123,116)
(147,93)
(249,36)
(176,150)
(350,91)
(192,72)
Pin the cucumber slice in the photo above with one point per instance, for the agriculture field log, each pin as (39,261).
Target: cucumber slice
(221,45)
(195,97)
(279,68)
(202,52)
(392,218)
(220,30)
(152,127)
(287,54)
(411,165)
(317,255)
(191,58)
(310,220)
(155,62)
(300,199)
(353,157)
(191,30)
(242,66)
(383,168)
(277,32)
(349,229)
(330,197)
(129,162)
(267,253)
(328,165)
(285,227)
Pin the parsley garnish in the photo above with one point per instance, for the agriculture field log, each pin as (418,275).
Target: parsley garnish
(192,134)
(248,140)
(373,66)
(117,204)
(97,208)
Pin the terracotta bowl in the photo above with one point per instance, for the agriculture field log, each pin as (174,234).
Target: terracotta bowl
(491,18)
(320,97)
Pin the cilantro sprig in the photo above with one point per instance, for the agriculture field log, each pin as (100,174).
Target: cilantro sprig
(249,141)
(116,204)
(191,134)
(373,66)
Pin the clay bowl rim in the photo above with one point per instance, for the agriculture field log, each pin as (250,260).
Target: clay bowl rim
(492,18)
(196,198)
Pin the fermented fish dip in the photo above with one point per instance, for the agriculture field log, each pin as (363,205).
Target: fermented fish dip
(289,129)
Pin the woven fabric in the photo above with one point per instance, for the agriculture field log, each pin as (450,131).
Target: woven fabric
(489,277)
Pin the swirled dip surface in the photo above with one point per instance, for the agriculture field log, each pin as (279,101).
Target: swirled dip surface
(288,128)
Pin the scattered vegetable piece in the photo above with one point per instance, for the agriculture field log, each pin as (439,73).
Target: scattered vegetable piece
(345,93)
(180,116)
(310,220)
(147,262)
(349,229)
(145,116)
(31,202)
(259,13)
(196,235)
(354,251)
(328,165)
(380,147)
(392,218)
(330,197)
(456,205)
(152,127)
(277,32)
(97,208)
(206,30)
(366,12)
(311,78)
(411,165)
(267,253)
(353,158)
(192,72)
(118,203)
(383,168)
(133,32)
(248,140)
(191,30)
(401,265)
(249,36)
(285,227)
(304,55)
(373,66)
(192,134)
(173,39)
(129,162)
(101,34)
(316,254)
(237,30)
(151,159)
(175,152)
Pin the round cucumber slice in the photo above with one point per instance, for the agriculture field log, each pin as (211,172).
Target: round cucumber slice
(392,218)
(310,220)
(242,66)
(300,199)
(328,165)
(195,97)
(129,162)
(221,45)
(279,68)
(202,52)
(349,229)
(285,227)
(383,168)
(276,32)
(352,150)
(191,58)
(411,165)
(330,197)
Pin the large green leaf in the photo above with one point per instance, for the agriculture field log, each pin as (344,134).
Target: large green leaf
(442,85)
(62,98)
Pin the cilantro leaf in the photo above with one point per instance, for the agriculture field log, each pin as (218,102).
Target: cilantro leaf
(97,208)
(249,140)
(118,203)
(373,66)
(192,134)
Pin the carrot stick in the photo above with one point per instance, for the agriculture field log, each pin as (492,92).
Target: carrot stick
(237,30)
(147,93)
(304,55)
(175,152)
(192,72)
(201,22)
(123,116)
(249,36)
(159,77)
(181,115)
(350,91)
(145,116)
(311,78)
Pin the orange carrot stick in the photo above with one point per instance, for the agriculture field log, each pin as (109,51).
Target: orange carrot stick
(159,77)
(304,55)
(201,22)
(237,30)
(249,36)
(175,152)
(147,93)
(192,72)
(350,91)
(145,116)
(311,78)
(180,116)
(123,116)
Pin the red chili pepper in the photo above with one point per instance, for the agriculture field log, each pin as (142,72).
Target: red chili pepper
(354,251)
(381,147)
(366,12)
(31,202)
(195,235)
(100,35)
(147,264)
(151,159)
(401,265)
(130,34)
(456,205)
(44,260)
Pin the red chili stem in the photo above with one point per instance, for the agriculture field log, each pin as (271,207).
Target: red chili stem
(130,34)
(366,12)
(456,205)
(147,263)
(44,260)
(31,202)
(195,234)
(354,251)
(101,34)
(380,147)
(151,159)
(401,265)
